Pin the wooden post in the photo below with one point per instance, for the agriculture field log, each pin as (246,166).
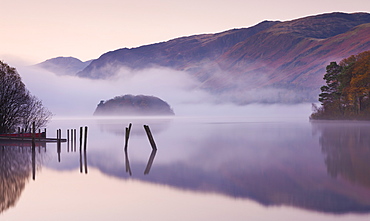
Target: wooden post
(59,136)
(81,139)
(128,130)
(85,144)
(74,137)
(67,140)
(33,131)
(150,137)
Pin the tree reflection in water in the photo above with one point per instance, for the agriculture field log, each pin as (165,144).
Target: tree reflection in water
(347,150)
(15,171)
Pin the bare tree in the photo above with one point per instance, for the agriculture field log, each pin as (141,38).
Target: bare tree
(35,112)
(17,106)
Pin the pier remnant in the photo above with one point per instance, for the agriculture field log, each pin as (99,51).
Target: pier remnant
(150,137)
(127,135)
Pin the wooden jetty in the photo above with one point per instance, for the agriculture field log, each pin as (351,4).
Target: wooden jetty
(28,138)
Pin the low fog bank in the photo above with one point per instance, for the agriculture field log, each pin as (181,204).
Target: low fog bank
(74,96)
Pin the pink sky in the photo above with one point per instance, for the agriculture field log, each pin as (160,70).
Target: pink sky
(34,31)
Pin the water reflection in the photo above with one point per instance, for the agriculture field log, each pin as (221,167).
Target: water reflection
(83,161)
(127,163)
(148,166)
(117,126)
(17,162)
(319,166)
(271,163)
(346,147)
(150,161)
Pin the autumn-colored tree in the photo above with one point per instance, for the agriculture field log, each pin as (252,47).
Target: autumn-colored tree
(359,86)
(346,94)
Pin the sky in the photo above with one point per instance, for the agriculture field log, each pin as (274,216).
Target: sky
(33,31)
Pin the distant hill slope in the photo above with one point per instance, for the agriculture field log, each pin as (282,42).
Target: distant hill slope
(133,105)
(269,62)
(64,65)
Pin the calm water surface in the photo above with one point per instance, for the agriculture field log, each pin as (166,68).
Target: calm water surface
(204,169)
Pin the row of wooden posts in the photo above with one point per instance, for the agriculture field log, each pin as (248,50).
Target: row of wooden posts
(71,138)
(71,132)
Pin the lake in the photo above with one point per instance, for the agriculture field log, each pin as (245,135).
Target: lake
(205,168)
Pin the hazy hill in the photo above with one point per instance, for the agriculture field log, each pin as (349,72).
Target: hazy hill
(133,105)
(64,65)
(179,53)
(270,62)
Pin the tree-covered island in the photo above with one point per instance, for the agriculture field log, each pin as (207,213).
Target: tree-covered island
(129,105)
(346,95)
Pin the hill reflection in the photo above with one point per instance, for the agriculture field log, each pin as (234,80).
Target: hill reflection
(320,166)
(273,164)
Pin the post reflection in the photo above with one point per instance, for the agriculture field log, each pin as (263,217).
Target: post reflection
(127,163)
(33,160)
(150,161)
(148,166)
(85,160)
(81,168)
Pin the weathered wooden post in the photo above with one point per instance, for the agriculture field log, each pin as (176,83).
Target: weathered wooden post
(81,139)
(71,140)
(59,135)
(127,135)
(44,136)
(150,137)
(67,140)
(74,139)
(85,144)
(33,131)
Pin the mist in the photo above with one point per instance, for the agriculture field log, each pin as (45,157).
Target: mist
(74,96)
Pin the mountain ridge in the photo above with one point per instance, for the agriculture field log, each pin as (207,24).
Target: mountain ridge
(289,57)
